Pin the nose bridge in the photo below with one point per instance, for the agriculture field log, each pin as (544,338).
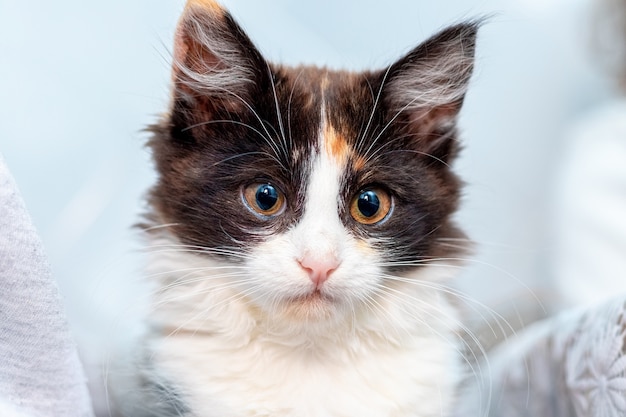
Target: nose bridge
(320,227)
(319,241)
(319,236)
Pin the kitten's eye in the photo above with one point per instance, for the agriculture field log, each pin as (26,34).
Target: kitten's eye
(264,199)
(370,206)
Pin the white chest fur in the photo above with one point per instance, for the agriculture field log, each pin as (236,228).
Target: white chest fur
(265,379)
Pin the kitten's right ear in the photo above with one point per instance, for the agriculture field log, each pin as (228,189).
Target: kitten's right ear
(216,65)
(426,88)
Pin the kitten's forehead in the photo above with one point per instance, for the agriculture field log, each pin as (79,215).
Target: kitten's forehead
(338,104)
(333,143)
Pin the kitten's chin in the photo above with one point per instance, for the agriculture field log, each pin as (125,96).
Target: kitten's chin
(315,306)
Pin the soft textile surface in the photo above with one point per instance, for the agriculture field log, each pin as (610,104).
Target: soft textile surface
(40,373)
(572,365)
(589,215)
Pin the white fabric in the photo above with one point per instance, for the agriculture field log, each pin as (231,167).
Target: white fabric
(40,373)
(590,214)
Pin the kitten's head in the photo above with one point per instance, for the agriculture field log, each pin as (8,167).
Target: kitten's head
(322,187)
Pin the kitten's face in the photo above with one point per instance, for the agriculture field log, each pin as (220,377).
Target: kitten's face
(320,186)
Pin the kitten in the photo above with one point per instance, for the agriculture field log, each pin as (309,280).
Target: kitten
(299,227)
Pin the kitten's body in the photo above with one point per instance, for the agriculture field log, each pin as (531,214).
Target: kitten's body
(299,232)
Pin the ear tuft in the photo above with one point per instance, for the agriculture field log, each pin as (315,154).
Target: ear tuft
(429,83)
(212,54)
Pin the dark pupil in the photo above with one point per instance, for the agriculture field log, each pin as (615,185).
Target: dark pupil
(266,197)
(368,203)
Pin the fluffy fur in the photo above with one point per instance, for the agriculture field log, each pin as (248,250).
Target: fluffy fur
(240,327)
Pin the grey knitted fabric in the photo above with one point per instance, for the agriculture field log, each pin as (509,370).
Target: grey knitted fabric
(40,372)
(571,365)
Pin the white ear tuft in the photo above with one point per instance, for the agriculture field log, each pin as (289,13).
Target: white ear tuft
(212,54)
(429,83)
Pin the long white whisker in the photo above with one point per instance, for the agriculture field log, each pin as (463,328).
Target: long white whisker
(241,155)
(373,112)
(389,123)
(235,297)
(270,141)
(430,262)
(235,122)
(185,280)
(199,251)
(400,296)
(473,303)
(293,89)
(278,112)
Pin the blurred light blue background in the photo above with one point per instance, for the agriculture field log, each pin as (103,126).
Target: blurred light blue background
(80,80)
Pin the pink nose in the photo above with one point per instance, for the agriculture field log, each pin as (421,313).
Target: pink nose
(319,268)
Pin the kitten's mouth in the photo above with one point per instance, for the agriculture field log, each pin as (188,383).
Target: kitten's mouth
(314,305)
(314,296)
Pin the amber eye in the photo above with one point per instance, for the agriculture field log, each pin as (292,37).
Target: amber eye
(264,199)
(370,205)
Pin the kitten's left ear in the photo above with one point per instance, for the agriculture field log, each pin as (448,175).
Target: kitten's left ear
(426,88)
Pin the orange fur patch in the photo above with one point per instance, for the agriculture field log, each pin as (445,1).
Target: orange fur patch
(336,145)
(358,163)
(209,5)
